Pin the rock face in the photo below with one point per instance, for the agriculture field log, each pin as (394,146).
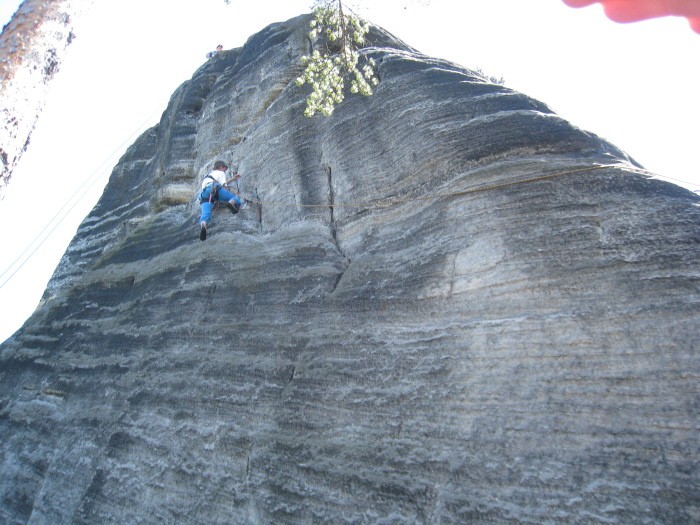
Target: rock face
(444,304)
(32,47)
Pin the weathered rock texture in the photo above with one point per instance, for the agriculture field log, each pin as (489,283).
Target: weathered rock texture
(32,46)
(444,311)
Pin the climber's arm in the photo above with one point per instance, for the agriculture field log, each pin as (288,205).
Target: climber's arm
(234,178)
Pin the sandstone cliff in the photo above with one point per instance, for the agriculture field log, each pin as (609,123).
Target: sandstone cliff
(444,304)
(32,46)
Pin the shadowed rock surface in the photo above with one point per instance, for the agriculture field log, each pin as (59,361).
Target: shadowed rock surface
(451,306)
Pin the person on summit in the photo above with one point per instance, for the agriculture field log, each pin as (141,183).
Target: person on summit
(214,189)
(212,54)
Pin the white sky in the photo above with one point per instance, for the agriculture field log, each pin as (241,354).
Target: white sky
(635,85)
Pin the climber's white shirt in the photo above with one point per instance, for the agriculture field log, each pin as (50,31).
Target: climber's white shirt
(219,176)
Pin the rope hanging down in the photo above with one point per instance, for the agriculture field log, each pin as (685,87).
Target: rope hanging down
(392,201)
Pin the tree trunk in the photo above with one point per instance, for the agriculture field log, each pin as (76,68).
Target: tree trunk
(32,47)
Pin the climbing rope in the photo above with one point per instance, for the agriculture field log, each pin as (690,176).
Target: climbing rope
(67,207)
(392,201)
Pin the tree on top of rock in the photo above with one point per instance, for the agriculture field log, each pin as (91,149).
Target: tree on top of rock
(336,60)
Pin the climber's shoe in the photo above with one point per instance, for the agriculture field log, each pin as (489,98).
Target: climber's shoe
(233,206)
(203,231)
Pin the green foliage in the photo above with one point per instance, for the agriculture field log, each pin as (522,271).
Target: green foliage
(337,60)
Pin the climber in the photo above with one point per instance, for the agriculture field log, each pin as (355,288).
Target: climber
(212,54)
(214,189)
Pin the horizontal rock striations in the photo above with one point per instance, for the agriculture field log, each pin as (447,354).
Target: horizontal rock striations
(444,304)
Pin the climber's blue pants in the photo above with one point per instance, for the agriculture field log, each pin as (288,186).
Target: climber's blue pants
(207,207)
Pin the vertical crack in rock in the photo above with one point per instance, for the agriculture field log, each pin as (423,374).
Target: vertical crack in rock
(259,205)
(453,275)
(334,226)
(338,278)
(331,206)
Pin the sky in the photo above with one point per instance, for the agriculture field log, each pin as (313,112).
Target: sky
(635,85)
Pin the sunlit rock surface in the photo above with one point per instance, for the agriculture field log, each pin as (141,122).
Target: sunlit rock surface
(33,45)
(451,307)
